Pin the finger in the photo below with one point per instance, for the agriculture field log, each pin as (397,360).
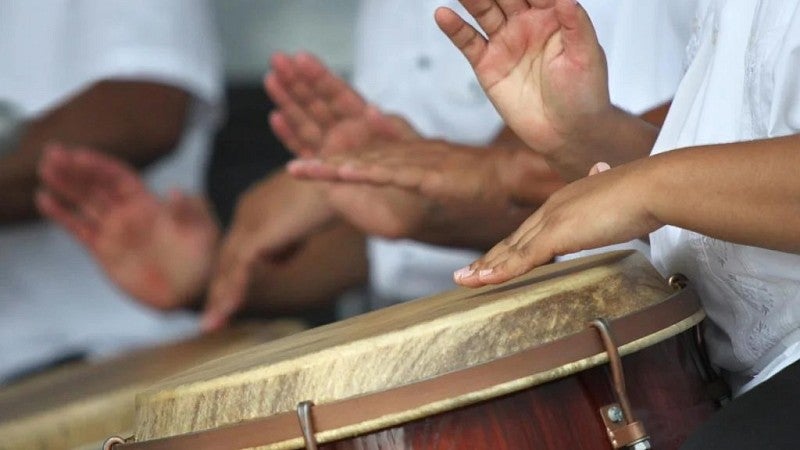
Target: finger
(599,168)
(227,292)
(313,169)
(463,35)
(339,97)
(358,172)
(290,78)
(99,180)
(61,176)
(304,130)
(577,32)
(83,230)
(512,7)
(120,181)
(284,132)
(517,262)
(302,126)
(487,13)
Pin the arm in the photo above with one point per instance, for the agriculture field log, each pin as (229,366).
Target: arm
(463,185)
(745,192)
(136,121)
(455,187)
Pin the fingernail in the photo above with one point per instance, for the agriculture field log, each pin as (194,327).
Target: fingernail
(462,273)
(294,165)
(485,273)
(602,167)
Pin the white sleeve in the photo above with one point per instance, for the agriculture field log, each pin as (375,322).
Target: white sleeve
(169,41)
(644,42)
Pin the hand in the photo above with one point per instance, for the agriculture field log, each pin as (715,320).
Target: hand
(320,114)
(462,185)
(272,219)
(159,252)
(442,172)
(541,66)
(603,209)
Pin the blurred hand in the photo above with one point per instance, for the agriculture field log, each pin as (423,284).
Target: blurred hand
(159,252)
(320,114)
(448,174)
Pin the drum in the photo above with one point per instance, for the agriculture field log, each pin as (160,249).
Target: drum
(521,365)
(84,403)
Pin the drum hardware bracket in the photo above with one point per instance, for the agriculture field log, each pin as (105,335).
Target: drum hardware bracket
(624,431)
(112,442)
(716,387)
(306,425)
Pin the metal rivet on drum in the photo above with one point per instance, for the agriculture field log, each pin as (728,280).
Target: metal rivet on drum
(614,414)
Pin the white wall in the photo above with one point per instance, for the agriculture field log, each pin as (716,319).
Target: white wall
(251,30)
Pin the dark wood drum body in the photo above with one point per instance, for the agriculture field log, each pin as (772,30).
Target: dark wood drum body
(666,390)
(516,366)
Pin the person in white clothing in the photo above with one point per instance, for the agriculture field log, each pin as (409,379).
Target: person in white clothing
(139,80)
(405,67)
(718,195)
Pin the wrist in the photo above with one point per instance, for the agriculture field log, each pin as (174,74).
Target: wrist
(526,178)
(649,180)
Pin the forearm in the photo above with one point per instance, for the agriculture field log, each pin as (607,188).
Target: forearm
(616,137)
(135,121)
(747,192)
(504,184)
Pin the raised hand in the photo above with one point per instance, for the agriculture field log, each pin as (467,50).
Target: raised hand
(159,252)
(602,209)
(541,66)
(320,114)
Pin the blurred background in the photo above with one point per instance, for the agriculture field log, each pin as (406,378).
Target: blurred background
(251,30)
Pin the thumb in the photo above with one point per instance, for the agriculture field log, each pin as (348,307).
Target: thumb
(578,34)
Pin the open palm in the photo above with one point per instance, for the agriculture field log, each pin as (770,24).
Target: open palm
(539,63)
(158,251)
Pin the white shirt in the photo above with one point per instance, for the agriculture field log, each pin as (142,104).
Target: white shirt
(407,66)
(741,84)
(53,299)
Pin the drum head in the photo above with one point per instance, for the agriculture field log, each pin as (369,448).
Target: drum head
(86,402)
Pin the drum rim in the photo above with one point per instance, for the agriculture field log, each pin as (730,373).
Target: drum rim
(675,314)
